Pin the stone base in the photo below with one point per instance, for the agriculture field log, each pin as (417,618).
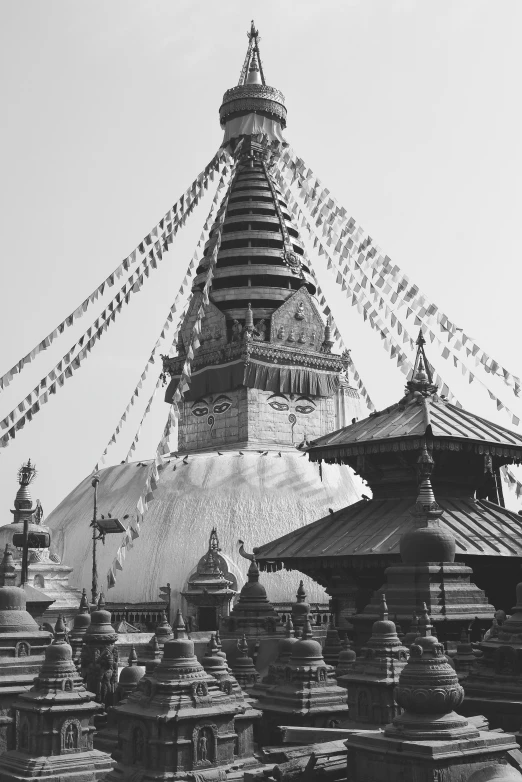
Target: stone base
(89,766)
(384,758)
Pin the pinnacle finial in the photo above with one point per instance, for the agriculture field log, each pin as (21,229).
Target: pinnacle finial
(289,628)
(212,647)
(101,601)
(59,631)
(301,594)
(425,625)
(384,607)
(307,630)
(421,377)
(133,657)
(180,630)
(84,603)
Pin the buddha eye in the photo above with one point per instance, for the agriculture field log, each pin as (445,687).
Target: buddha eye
(279,405)
(305,409)
(200,411)
(222,407)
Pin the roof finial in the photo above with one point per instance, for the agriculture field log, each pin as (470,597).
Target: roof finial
(422,377)
(384,607)
(180,630)
(252,70)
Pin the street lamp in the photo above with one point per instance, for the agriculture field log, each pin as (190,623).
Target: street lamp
(100,528)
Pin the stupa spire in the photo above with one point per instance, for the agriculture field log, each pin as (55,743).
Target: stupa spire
(252,70)
(422,376)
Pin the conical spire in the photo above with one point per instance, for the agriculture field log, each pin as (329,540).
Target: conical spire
(421,378)
(180,630)
(133,657)
(59,630)
(7,568)
(252,71)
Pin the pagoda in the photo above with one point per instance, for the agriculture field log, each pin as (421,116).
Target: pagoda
(22,648)
(180,722)
(43,569)
(264,381)
(349,550)
(55,724)
(429,740)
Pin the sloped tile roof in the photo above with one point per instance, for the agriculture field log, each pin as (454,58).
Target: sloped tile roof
(374,527)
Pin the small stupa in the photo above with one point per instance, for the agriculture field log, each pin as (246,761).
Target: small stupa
(99,656)
(428,573)
(301,608)
(22,648)
(494,684)
(151,654)
(243,668)
(347,659)
(179,722)
(374,675)
(81,622)
(55,724)
(308,695)
(253,614)
(44,569)
(332,645)
(428,739)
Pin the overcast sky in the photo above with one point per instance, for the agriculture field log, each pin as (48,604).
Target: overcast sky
(408,111)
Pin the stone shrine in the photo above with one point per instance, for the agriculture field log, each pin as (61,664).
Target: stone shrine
(151,654)
(243,667)
(180,721)
(81,622)
(22,648)
(374,675)
(302,691)
(210,589)
(428,740)
(55,724)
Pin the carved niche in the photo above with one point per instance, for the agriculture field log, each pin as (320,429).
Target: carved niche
(138,744)
(70,736)
(204,745)
(22,649)
(297,323)
(213,328)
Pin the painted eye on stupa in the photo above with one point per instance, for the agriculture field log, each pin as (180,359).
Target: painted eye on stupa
(279,402)
(222,404)
(306,407)
(200,409)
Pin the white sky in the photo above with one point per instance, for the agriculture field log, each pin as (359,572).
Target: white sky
(408,111)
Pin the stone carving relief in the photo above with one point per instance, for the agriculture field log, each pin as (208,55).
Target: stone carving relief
(213,327)
(204,739)
(70,735)
(309,328)
(22,649)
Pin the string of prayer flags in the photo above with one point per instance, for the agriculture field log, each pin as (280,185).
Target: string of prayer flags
(347,236)
(165,229)
(147,494)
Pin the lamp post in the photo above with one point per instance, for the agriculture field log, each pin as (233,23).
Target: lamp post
(100,528)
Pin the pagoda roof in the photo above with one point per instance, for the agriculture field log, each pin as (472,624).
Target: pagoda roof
(374,528)
(421,414)
(413,419)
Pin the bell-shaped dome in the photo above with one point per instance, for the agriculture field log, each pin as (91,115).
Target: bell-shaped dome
(82,620)
(13,615)
(132,673)
(101,623)
(287,643)
(432,543)
(307,651)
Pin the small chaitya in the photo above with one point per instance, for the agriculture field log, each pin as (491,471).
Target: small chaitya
(428,740)
(81,622)
(373,677)
(300,691)
(253,614)
(99,656)
(22,648)
(55,724)
(181,720)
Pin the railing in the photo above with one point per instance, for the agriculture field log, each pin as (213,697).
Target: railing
(320,612)
(143,616)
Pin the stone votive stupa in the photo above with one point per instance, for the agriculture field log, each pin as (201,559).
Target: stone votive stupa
(81,622)
(99,656)
(55,724)
(374,675)
(253,615)
(428,740)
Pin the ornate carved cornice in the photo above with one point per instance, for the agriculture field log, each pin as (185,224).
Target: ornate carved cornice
(253,97)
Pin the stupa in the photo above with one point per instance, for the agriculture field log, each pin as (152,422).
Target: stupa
(22,648)
(99,656)
(493,685)
(44,569)
(55,724)
(181,722)
(301,608)
(428,740)
(253,614)
(349,550)
(264,381)
(306,693)
(374,675)
(243,668)
(151,654)
(428,575)
(81,622)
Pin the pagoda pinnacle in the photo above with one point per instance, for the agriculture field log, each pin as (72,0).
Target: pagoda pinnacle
(422,376)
